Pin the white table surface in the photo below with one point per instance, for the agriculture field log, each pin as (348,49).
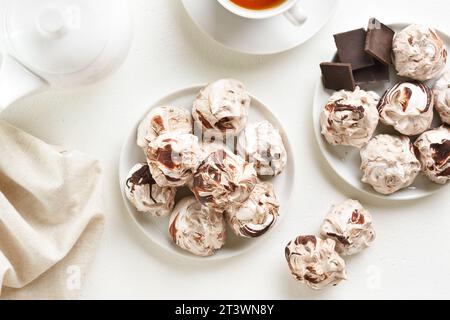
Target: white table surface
(411,256)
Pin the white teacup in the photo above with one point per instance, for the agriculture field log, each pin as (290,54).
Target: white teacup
(291,9)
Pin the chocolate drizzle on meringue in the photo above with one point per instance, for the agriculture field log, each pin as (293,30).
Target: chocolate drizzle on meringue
(445,173)
(248,232)
(441,156)
(203,120)
(173,228)
(225,124)
(440,42)
(402,97)
(357,218)
(303,240)
(339,238)
(310,278)
(347,107)
(141,177)
(158,124)
(441,152)
(165,156)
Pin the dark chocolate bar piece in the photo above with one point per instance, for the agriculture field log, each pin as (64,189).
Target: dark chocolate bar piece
(379,72)
(379,41)
(337,76)
(336,59)
(350,46)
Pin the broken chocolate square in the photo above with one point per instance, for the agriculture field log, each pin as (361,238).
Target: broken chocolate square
(377,73)
(337,76)
(379,41)
(351,46)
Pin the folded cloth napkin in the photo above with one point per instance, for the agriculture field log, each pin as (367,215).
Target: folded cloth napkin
(50,217)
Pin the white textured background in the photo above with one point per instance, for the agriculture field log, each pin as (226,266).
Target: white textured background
(411,255)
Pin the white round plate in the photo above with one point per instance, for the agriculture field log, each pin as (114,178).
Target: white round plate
(264,36)
(346,161)
(156,229)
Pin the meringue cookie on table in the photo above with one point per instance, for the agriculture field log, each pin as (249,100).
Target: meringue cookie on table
(434,153)
(222,108)
(350,225)
(419,53)
(441,92)
(262,145)
(162,120)
(408,107)
(146,196)
(257,215)
(350,117)
(195,229)
(173,158)
(388,163)
(223,180)
(315,262)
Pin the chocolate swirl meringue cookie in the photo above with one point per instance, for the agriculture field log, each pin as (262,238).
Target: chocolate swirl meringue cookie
(419,53)
(350,225)
(433,148)
(146,196)
(262,145)
(441,92)
(350,118)
(389,164)
(315,262)
(223,180)
(222,108)
(408,107)
(257,215)
(162,120)
(173,158)
(195,229)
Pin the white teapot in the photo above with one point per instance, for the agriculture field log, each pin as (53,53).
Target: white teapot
(60,44)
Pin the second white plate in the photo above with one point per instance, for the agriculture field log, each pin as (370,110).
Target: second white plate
(346,161)
(156,229)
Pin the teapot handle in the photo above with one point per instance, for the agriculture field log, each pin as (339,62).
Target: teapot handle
(16,81)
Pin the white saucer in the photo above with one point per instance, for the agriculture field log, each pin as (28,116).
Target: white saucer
(346,161)
(156,229)
(266,36)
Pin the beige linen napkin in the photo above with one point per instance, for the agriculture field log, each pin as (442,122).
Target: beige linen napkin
(50,217)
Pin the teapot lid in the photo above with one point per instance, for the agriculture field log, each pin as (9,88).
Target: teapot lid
(57,37)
